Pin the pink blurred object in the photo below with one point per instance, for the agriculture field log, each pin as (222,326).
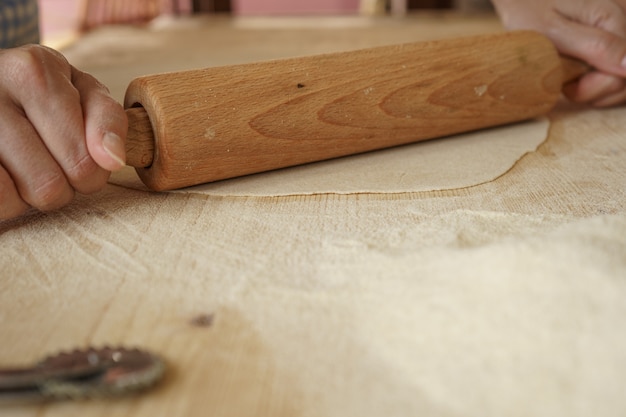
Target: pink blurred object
(294,7)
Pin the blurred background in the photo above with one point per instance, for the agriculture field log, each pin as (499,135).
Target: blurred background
(62,21)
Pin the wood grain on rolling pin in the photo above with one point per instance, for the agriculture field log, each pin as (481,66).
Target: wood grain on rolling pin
(218,123)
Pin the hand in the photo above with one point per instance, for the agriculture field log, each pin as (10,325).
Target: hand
(591,30)
(61,131)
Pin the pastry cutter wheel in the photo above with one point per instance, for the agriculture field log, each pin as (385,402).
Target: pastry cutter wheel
(88,373)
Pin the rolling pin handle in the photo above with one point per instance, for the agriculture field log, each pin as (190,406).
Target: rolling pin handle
(573,69)
(140,138)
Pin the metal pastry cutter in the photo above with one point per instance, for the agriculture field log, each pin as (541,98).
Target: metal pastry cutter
(88,373)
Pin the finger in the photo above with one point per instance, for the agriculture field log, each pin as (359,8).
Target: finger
(105,121)
(607,15)
(601,48)
(11,204)
(42,86)
(36,176)
(611,100)
(593,87)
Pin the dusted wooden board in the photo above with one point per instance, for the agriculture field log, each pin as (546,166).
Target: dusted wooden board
(504,298)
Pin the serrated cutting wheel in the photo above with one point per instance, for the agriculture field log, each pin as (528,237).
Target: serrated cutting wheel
(84,373)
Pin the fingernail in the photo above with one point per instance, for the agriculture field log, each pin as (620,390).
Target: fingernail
(114,146)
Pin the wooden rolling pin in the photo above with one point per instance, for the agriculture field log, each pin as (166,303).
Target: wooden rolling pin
(199,126)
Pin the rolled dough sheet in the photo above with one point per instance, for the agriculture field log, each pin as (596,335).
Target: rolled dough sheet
(455,162)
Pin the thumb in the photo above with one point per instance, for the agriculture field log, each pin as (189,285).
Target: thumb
(106,123)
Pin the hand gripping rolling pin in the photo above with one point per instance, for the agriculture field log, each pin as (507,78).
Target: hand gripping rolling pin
(205,125)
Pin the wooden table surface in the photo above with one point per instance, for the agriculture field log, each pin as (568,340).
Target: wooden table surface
(505,298)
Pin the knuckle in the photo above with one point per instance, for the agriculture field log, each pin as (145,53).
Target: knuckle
(33,68)
(50,192)
(27,68)
(602,47)
(113,117)
(605,15)
(81,169)
(85,175)
(93,82)
(13,210)
(11,204)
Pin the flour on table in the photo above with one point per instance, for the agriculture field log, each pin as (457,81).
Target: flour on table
(454,162)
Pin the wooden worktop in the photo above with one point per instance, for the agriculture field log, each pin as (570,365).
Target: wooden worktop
(505,298)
